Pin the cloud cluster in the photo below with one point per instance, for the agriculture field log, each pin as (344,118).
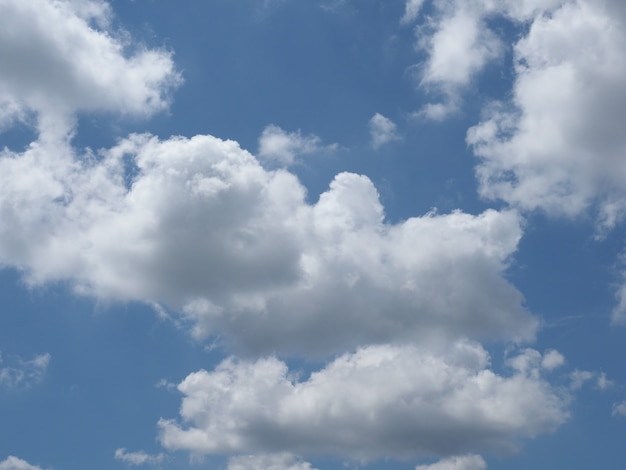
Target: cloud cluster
(199,226)
(557,145)
(23,373)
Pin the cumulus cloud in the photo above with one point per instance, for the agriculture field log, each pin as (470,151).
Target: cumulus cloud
(459,43)
(268,462)
(61,57)
(465,462)
(382,130)
(558,145)
(138,458)
(204,228)
(379,401)
(284,147)
(24,373)
(13,463)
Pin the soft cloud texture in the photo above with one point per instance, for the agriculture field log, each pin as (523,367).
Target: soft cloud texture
(552,359)
(382,130)
(558,145)
(202,227)
(411,10)
(465,462)
(23,373)
(459,43)
(13,463)
(61,57)
(381,401)
(284,147)
(268,462)
(138,458)
(619,409)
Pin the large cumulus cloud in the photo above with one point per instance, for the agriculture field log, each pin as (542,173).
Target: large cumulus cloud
(378,402)
(201,227)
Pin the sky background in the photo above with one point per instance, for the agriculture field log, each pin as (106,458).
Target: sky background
(312,235)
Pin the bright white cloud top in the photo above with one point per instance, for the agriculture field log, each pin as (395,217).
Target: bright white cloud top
(333,333)
(378,402)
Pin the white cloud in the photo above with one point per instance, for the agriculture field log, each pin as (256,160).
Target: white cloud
(619,409)
(382,401)
(560,147)
(382,130)
(24,373)
(579,378)
(138,458)
(268,462)
(464,462)
(603,382)
(204,228)
(284,147)
(411,10)
(458,45)
(552,359)
(61,57)
(13,463)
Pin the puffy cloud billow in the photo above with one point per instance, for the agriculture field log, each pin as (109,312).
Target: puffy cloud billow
(381,401)
(203,228)
(60,57)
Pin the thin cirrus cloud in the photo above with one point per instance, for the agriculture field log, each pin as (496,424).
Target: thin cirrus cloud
(21,373)
(138,458)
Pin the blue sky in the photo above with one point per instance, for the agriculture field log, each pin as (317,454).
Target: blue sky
(287,235)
